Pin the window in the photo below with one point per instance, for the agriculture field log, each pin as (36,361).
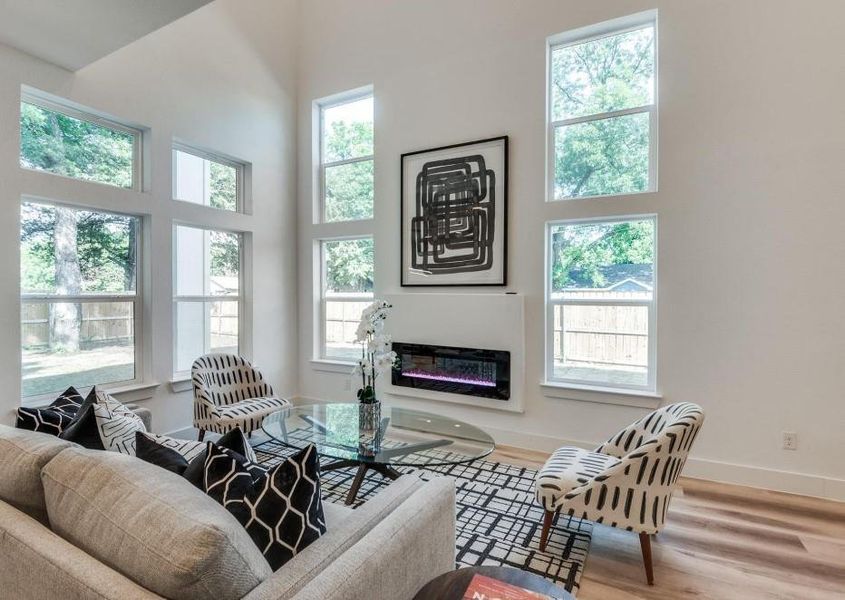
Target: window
(602,104)
(347,288)
(66,141)
(346,160)
(205,179)
(601,303)
(79,298)
(207,302)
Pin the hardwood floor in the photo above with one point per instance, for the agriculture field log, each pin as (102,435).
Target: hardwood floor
(721,541)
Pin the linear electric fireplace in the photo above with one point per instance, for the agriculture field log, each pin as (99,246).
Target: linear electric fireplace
(467,371)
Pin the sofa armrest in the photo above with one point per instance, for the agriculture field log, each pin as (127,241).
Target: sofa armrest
(410,547)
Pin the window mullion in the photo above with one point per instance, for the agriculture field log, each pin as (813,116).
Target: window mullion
(603,116)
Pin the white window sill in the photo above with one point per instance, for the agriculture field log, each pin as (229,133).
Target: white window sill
(181,383)
(133,392)
(332,366)
(125,393)
(601,395)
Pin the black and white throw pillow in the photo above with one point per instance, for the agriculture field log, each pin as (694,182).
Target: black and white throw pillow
(281,508)
(117,425)
(51,419)
(187,457)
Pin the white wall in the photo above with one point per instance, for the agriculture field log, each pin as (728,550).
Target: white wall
(752,140)
(222,78)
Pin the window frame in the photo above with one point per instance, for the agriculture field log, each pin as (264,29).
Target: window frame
(583,35)
(216,157)
(322,166)
(323,299)
(74,111)
(176,298)
(137,299)
(650,388)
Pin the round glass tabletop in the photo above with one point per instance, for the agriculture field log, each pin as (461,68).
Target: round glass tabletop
(404,438)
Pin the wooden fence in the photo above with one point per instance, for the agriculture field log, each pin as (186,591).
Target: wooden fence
(112,323)
(608,335)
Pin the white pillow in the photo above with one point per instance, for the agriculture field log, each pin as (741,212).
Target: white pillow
(116,424)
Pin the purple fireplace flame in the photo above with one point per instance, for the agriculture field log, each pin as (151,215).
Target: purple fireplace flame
(418,374)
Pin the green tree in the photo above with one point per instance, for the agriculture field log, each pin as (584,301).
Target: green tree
(349,187)
(607,156)
(349,195)
(584,249)
(224,186)
(349,265)
(67,251)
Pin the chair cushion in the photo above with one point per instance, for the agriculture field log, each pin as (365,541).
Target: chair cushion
(254,408)
(567,469)
(22,456)
(151,525)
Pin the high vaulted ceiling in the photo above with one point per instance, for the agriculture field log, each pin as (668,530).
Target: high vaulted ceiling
(75,33)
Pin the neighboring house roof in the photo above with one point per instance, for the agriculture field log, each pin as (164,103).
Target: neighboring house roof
(621,278)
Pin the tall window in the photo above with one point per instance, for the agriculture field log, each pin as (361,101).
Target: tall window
(207,304)
(601,303)
(66,141)
(602,103)
(347,288)
(203,178)
(346,160)
(79,298)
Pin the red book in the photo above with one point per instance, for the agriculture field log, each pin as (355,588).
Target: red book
(487,588)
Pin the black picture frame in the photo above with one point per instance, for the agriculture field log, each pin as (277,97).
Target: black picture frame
(500,225)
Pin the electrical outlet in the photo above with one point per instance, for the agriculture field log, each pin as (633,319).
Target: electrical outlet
(347,385)
(790,440)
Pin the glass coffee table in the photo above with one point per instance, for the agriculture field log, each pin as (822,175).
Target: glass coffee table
(408,438)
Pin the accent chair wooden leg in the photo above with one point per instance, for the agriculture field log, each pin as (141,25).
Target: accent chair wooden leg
(645,544)
(201,435)
(547,525)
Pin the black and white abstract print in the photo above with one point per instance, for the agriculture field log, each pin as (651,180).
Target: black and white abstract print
(455,223)
(454,215)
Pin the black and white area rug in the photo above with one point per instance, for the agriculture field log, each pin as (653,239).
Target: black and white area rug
(498,523)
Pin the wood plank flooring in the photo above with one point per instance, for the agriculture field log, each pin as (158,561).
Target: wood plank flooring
(721,541)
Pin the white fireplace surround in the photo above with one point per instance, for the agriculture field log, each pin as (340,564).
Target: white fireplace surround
(493,321)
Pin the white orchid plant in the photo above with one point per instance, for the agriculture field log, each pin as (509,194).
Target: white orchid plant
(377,358)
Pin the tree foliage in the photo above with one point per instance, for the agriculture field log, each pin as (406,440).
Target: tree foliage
(583,249)
(60,144)
(348,196)
(349,265)
(606,156)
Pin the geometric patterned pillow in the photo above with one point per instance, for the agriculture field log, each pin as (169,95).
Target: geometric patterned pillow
(233,440)
(280,508)
(51,419)
(117,425)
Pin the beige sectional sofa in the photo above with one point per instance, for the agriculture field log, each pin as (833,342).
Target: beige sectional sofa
(80,524)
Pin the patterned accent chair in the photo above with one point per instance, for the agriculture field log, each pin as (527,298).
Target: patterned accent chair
(229,392)
(626,482)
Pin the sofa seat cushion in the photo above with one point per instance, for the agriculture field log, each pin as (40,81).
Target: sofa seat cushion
(151,525)
(567,469)
(22,456)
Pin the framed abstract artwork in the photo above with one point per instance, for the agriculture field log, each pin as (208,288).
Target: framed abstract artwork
(455,215)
